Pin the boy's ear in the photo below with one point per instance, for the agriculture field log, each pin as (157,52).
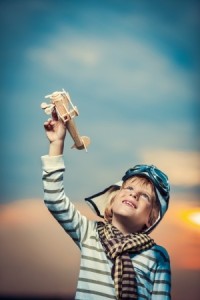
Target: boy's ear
(148,223)
(152,217)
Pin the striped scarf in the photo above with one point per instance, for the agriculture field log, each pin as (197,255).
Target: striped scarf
(117,247)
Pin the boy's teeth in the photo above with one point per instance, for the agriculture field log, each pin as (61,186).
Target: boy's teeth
(129,203)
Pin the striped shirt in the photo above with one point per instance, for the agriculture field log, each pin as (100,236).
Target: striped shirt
(152,266)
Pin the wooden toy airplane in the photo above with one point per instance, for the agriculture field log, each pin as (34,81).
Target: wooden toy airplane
(66,111)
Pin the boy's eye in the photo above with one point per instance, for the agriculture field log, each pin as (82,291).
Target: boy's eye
(130,188)
(145,196)
(140,194)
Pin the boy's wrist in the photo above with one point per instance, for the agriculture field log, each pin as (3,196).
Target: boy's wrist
(56,148)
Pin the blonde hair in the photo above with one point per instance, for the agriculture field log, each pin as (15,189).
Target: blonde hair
(143,181)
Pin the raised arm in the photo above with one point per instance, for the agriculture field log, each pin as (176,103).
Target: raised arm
(55,199)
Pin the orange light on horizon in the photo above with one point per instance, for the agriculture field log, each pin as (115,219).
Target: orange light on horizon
(195,218)
(191,217)
(178,232)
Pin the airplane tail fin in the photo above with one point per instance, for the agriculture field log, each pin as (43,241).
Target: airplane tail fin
(85,143)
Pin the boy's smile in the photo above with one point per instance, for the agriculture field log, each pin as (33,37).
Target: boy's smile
(129,203)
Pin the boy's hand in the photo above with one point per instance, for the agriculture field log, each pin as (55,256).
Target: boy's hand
(55,131)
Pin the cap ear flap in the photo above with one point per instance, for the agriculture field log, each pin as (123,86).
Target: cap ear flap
(108,210)
(99,201)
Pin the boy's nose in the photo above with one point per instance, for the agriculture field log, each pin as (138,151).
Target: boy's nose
(134,195)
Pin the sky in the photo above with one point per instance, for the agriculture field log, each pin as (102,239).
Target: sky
(132,69)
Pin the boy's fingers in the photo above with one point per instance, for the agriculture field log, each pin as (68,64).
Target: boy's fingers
(48,125)
(54,115)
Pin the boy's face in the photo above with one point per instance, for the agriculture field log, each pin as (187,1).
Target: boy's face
(132,206)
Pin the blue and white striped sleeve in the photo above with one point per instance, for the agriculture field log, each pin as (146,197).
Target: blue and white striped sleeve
(162,279)
(57,202)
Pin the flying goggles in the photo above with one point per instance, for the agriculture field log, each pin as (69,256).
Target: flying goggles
(157,177)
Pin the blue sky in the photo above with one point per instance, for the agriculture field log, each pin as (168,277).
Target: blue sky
(131,68)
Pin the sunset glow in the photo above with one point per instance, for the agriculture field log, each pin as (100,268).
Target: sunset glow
(191,217)
(195,218)
(28,225)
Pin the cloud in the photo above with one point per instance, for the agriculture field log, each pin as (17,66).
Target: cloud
(183,168)
(125,63)
(124,74)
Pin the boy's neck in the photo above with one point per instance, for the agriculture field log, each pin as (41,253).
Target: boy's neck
(124,228)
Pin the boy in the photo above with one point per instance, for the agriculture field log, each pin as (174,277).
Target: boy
(118,258)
